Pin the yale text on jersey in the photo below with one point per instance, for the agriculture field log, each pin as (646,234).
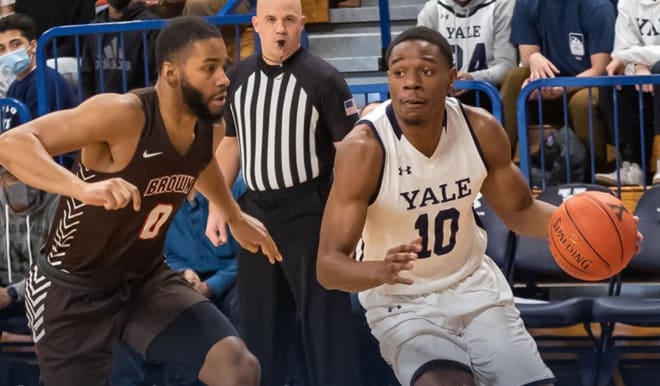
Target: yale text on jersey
(420,198)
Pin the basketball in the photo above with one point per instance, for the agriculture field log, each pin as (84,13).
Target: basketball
(592,236)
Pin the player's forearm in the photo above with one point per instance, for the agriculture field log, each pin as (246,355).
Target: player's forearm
(337,271)
(533,221)
(26,158)
(211,183)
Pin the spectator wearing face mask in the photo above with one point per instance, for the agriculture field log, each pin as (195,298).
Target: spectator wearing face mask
(18,46)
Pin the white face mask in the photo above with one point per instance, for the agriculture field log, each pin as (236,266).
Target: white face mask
(16,62)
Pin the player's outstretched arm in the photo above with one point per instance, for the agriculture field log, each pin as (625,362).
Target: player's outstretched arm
(248,231)
(358,164)
(505,188)
(28,150)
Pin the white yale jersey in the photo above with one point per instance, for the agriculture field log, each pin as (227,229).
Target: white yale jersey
(429,198)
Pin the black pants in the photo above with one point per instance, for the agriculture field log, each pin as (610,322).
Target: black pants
(271,296)
(629,118)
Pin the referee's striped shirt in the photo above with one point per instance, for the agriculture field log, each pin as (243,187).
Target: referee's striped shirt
(286,119)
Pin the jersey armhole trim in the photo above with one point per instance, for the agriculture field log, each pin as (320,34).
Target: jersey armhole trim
(474,137)
(375,194)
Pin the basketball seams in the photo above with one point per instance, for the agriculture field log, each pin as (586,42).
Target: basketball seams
(566,260)
(584,238)
(618,231)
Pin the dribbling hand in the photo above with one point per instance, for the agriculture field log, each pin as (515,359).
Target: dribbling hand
(251,234)
(112,194)
(400,258)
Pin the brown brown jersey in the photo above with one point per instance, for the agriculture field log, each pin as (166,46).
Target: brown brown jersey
(108,247)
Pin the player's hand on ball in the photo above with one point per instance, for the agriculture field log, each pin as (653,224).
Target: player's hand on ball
(251,234)
(112,194)
(400,258)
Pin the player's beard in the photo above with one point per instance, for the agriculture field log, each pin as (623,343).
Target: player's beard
(193,98)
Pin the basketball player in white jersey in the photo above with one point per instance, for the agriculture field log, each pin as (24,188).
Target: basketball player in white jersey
(405,181)
(478,32)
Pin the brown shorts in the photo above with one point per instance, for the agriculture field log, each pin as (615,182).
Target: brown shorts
(75,329)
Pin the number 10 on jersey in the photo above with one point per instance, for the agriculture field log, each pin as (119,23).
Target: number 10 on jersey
(443,241)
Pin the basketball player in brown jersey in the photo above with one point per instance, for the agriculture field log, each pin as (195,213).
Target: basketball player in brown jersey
(102,278)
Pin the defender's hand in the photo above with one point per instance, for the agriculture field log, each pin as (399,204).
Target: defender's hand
(112,194)
(252,235)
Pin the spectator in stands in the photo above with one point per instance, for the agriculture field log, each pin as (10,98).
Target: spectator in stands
(54,13)
(560,38)
(119,66)
(171,8)
(479,32)
(18,45)
(636,52)
(210,269)
(6,77)
(26,215)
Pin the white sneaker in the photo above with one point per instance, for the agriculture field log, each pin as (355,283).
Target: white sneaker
(630,174)
(656,176)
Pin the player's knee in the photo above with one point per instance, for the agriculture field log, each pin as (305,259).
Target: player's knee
(230,363)
(444,376)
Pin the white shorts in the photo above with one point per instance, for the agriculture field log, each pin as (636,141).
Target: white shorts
(474,323)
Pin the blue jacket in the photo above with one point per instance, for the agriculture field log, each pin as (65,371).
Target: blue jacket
(187,247)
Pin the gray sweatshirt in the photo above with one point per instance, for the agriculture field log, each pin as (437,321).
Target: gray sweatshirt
(18,247)
(479,34)
(637,33)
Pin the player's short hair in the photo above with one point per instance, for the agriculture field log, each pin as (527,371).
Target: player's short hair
(181,33)
(19,22)
(426,34)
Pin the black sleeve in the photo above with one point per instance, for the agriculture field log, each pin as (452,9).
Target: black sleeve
(338,111)
(230,126)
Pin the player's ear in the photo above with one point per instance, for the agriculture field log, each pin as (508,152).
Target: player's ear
(453,74)
(170,73)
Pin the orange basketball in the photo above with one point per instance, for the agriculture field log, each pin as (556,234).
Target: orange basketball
(592,236)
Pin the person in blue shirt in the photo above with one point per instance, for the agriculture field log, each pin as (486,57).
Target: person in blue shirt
(18,47)
(210,269)
(561,38)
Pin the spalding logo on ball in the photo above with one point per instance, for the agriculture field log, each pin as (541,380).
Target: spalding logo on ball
(592,236)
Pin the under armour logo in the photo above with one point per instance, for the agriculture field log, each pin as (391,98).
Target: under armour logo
(619,209)
(390,309)
(407,169)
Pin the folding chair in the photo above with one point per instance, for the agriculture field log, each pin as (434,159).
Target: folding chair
(501,241)
(633,309)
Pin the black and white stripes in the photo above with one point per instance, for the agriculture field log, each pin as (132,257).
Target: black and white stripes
(275,123)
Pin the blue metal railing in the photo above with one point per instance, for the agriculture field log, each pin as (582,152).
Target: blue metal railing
(581,82)
(483,87)
(9,108)
(79,31)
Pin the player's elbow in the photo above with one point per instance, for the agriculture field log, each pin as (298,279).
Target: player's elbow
(323,272)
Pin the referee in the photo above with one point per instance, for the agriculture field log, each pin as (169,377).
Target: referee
(285,110)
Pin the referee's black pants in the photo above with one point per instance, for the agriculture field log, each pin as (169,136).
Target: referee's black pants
(270,297)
